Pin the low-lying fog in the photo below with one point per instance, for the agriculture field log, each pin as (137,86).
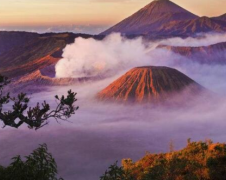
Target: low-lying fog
(100,134)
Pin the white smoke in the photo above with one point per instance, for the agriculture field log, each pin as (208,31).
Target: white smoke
(89,57)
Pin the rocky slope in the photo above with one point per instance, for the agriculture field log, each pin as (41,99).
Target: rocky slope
(148,84)
(24,56)
(39,80)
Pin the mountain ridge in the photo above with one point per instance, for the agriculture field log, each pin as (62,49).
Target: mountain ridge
(211,54)
(191,27)
(221,17)
(151,16)
(165,18)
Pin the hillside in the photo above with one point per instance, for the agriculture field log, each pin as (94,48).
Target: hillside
(24,56)
(10,40)
(191,27)
(148,84)
(213,54)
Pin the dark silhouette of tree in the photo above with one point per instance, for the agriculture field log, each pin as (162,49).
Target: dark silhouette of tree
(39,165)
(35,117)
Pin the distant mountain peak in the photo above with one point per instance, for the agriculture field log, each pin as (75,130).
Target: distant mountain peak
(164,18)
(151,17)
(164,6)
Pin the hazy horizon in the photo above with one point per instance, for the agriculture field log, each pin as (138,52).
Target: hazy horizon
(84,16)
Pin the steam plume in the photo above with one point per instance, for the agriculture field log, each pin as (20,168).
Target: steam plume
(90,57)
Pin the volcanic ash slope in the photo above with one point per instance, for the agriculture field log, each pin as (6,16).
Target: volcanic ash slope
(149,84)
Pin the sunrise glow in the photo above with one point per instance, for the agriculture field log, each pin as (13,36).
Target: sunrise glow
(99,13)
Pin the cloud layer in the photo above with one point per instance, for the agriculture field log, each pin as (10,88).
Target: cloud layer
(101,133)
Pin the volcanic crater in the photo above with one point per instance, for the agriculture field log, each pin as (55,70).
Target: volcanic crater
(149,84)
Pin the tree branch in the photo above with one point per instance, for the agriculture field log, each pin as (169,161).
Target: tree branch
(35,117)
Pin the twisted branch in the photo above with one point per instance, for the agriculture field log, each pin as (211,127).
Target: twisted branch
(35,117)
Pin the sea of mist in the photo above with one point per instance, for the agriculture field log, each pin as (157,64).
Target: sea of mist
(101,133)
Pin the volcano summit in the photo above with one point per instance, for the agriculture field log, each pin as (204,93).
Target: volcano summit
(165,18)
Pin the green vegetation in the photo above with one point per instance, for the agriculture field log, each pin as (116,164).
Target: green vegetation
(39,165)
(198,161)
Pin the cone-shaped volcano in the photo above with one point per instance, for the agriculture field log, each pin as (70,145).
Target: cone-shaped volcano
(148,84)
(151,17)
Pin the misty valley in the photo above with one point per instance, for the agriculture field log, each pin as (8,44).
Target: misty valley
(143,100)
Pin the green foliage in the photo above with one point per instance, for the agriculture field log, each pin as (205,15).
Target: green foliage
(39,165)
(217,168)
(172,169)
(198,161)
(156,172)
(37,116)
(116,173)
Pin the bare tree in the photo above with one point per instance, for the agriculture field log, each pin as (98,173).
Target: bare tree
(35,117)
(171,146)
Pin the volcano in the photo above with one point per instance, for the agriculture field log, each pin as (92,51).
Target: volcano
(148,84)
(163,18)
(151,17)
